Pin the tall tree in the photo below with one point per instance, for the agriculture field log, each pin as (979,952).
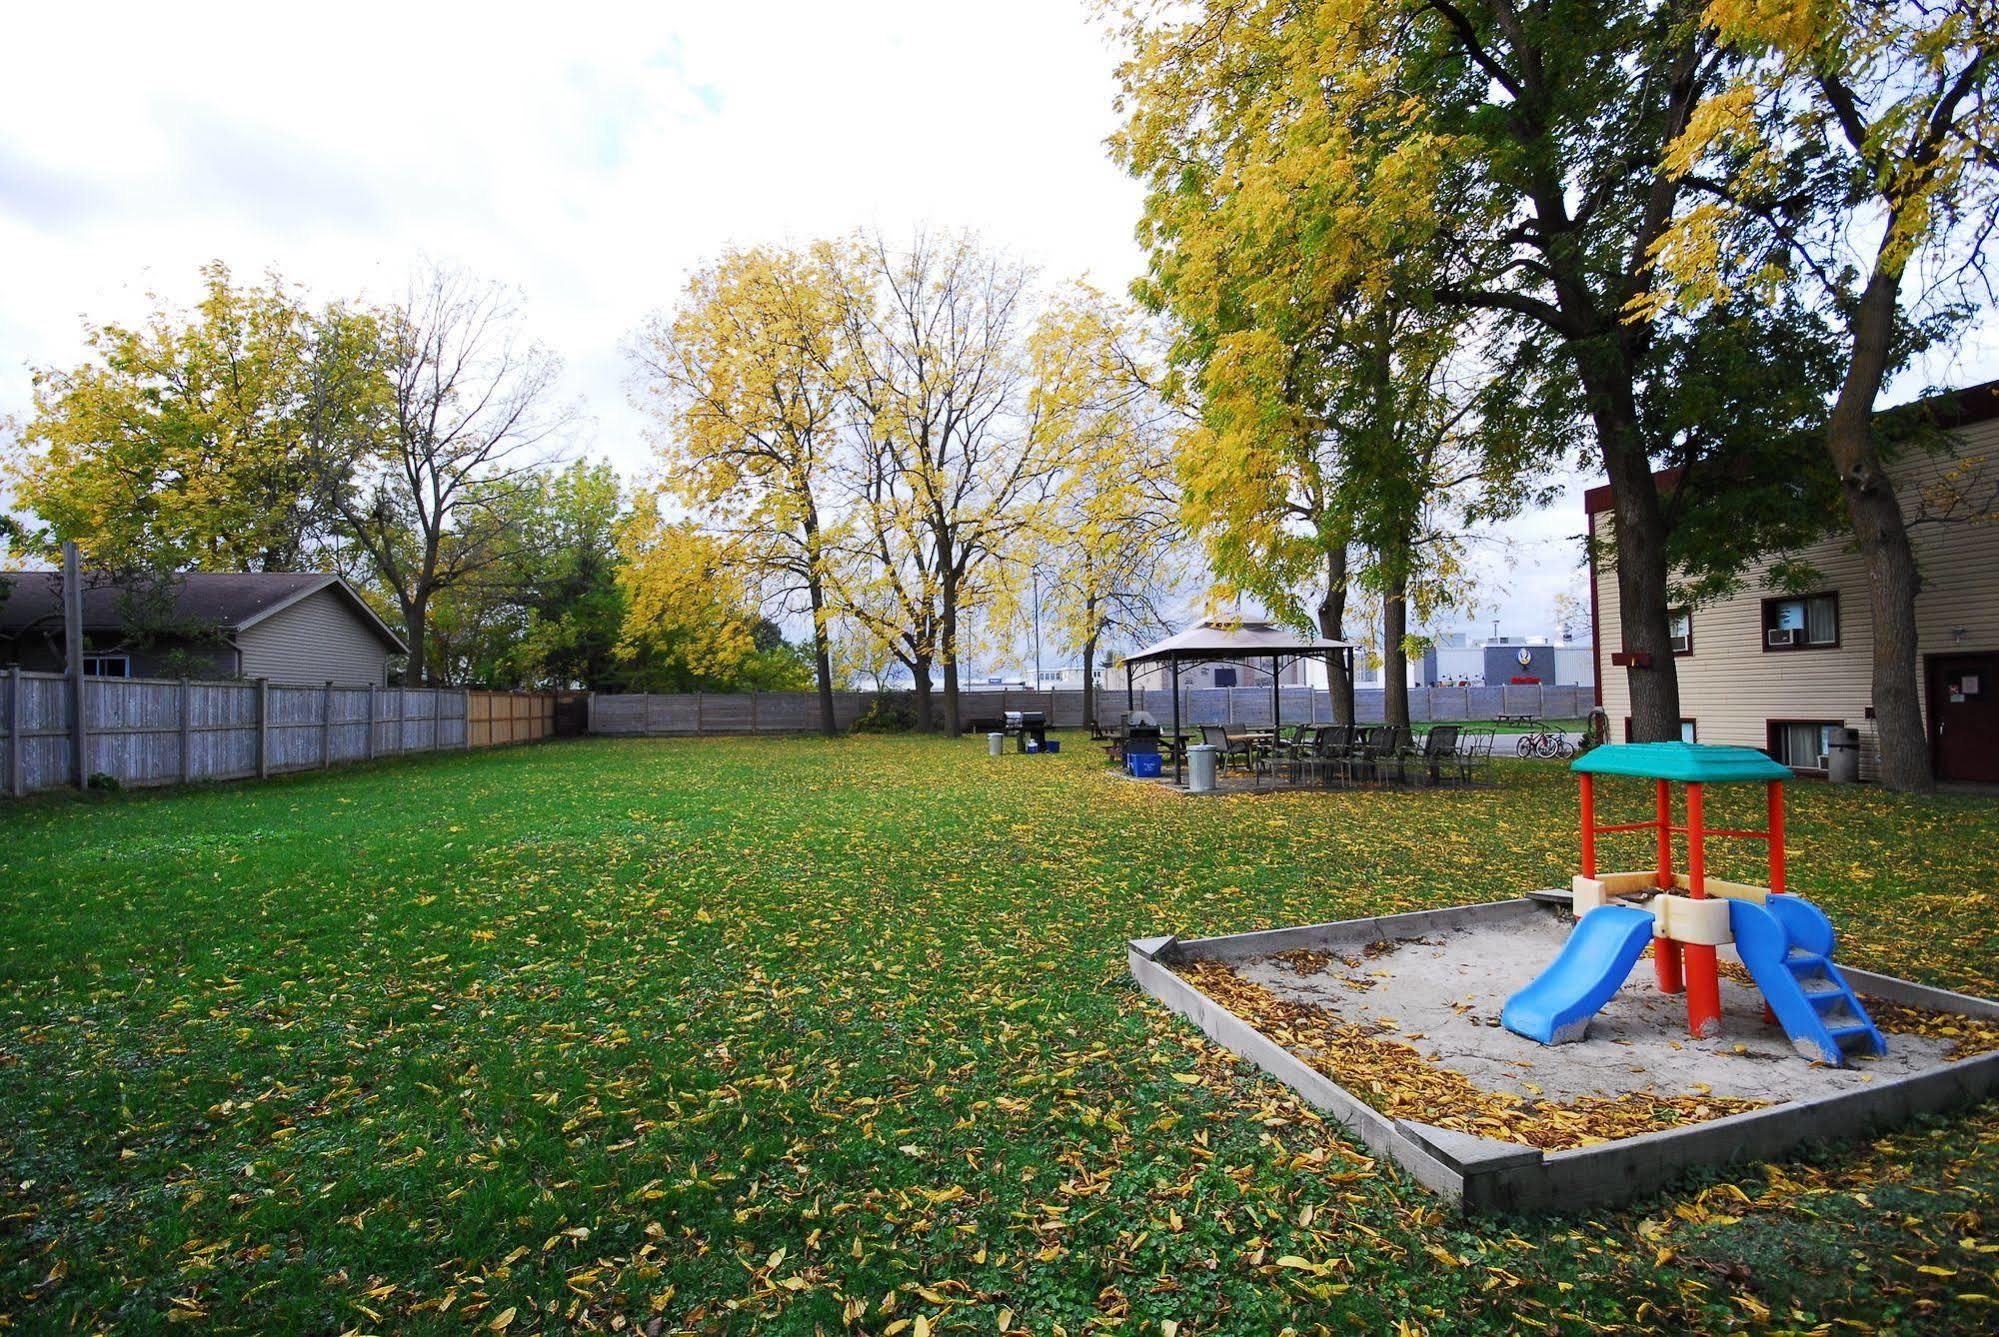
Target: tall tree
(953,459)
(691,621)
(1856,140)
(1508,158)
(550,612)
(473,413)
(744,381)
(1111,532)
(217,437)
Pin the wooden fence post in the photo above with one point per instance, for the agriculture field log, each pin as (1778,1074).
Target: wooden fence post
(186,731)
(698,725)
(326,727)
(16,774)
(370,753)
(263,728)
(466,742)
(753,710)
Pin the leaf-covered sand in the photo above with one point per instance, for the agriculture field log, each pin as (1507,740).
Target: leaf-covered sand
(785,1035)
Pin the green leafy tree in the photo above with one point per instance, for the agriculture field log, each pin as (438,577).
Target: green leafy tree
(218,437)
(1482,157)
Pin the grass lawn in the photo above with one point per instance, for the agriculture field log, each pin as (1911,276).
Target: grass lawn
(783,1035)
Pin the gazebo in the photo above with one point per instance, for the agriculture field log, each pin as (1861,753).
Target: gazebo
(1233,643)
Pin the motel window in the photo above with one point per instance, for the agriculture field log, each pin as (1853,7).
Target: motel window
(107,666)
(1801,744)
(1680,626)
(1224,677)
(1804,623)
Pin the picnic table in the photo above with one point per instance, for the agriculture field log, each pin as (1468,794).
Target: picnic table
(1529,717)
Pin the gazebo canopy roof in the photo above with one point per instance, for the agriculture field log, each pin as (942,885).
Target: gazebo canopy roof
(1234,640)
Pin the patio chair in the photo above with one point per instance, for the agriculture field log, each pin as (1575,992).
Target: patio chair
(1234,752)
(1364,758)
(1286,748)
(1474,753)
(1324,757)
(1439,752)
(1396,748)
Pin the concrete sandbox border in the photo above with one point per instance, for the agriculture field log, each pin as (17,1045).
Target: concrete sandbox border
(1482,1174)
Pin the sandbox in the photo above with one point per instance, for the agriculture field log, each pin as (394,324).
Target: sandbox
(1391,1026)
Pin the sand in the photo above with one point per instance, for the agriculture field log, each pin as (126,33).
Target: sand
(1443,994)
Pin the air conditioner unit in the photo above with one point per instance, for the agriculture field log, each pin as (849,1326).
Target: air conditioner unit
(1680,645)
(1781,636)
(1825,762)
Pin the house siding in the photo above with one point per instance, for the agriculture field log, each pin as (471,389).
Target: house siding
(1732,688)
(318,639)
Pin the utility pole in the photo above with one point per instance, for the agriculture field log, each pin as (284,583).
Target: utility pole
(72,640)
(1034,575)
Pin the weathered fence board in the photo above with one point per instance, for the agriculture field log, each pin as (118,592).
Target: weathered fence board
(153,731)
(662,714)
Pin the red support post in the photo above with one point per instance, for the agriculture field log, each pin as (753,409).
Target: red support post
(1776,788)
(1665,952)
(1589,824)
(1703,981)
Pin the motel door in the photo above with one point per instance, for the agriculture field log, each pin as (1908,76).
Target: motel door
(1964,706)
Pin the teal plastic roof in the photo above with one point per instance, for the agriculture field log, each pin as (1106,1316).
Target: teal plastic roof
(1689,763)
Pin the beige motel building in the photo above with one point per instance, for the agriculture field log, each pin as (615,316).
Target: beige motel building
(1781,672)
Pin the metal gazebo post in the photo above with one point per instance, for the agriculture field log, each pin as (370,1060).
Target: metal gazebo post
(1178,752)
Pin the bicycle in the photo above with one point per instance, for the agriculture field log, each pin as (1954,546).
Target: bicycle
(1546,743)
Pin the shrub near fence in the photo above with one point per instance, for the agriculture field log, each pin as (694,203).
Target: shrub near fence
(688,713)
(158,731)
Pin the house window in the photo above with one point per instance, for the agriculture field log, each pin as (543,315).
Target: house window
(107,666)
(1802,744)
(1680,627)
(1807,623)
(1224,677)
(1688,734)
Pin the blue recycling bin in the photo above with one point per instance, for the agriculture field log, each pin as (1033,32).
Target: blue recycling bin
(1052,745)
(1144,766)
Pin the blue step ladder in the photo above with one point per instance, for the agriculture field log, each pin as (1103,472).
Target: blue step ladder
(1786,944)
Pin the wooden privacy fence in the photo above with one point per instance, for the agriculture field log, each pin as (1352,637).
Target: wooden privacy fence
(158,731)
(494,718)
(687,713)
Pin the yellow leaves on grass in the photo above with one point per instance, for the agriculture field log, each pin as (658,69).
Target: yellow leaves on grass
(1398,1080)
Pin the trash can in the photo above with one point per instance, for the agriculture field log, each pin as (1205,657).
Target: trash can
(1052,745)
(995,744)
(1144,765)
(1200,769)
(1842,765)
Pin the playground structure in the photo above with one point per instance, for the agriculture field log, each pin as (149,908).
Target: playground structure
(1784,941)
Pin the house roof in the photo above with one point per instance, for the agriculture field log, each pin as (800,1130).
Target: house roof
(1688,763)
(1233,640)
(226,600)
(1948,410)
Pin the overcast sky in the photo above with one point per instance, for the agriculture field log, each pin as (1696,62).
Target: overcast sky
(588,155)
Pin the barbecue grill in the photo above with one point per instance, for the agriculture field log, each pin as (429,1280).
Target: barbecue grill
(1029,729)
(1141,733)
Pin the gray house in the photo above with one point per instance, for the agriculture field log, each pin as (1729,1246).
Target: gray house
(285,626)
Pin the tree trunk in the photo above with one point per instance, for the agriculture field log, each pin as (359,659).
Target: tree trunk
(822,658)
(1875,514)
(1332,621)
(948,627)
(926,710)
(1394,659)
(1640,524)
(1090,684)
(416,626)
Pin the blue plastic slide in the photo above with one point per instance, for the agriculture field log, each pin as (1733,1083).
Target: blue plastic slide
(1786,946)
(1555,1009)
